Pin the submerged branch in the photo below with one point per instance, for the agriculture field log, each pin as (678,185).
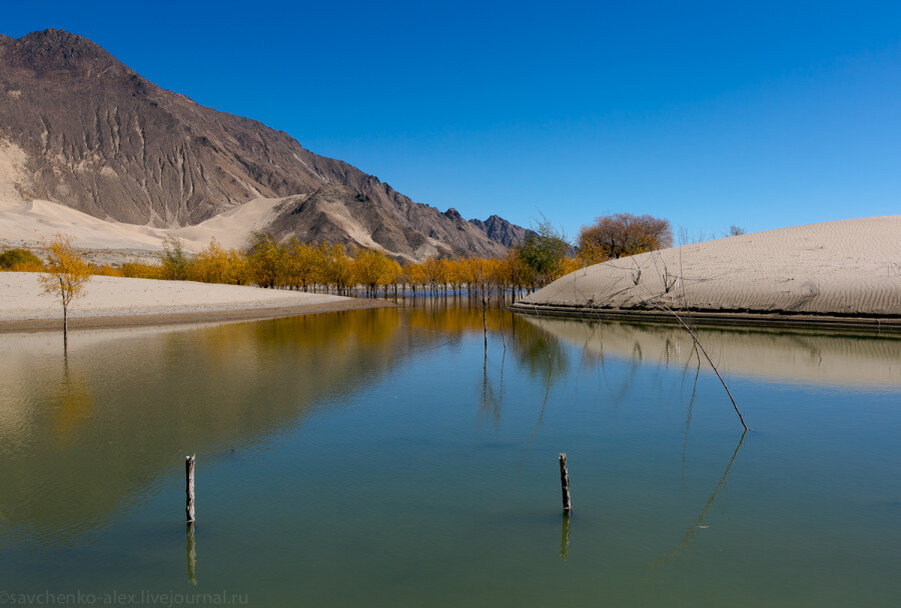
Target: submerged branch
(697,341)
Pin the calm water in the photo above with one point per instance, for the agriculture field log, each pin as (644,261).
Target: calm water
(386,458)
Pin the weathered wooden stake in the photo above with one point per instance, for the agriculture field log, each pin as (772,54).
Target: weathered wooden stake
(564,483)
(189,487)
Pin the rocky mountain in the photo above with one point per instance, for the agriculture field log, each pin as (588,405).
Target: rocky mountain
(79,128)
(498,229)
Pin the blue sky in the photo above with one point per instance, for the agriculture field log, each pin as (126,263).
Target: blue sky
(761,115)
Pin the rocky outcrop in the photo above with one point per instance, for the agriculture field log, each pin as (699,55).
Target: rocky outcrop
(500,230)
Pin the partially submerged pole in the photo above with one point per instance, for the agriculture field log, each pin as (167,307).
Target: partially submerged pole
(564,483)
(189,487)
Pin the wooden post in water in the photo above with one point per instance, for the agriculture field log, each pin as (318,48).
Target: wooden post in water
(189,487)
(564,483)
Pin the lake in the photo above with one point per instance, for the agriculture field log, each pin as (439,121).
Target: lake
(389,458)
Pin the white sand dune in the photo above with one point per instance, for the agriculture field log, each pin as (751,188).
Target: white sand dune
(30,224)
(22,301)
(849,268)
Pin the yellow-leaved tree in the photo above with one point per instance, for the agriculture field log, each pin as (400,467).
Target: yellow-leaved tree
(66,274)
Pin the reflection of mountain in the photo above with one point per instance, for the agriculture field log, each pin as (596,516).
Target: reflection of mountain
(535,350)
(807,358)
(78,445)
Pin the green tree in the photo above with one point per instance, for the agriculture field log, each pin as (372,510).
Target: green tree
(545,251)
(176,265)
(19,259)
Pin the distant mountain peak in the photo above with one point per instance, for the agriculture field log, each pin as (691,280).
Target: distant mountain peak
(53,50)
(501,231)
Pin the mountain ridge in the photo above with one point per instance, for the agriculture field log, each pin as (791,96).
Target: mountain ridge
(80,128)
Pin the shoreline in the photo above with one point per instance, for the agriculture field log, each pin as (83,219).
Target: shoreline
(234,315)
(126,302)
(773,319)
(842,274)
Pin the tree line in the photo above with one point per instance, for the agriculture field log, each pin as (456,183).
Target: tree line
(331,267)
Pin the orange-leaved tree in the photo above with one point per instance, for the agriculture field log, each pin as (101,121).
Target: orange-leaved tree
(622,234)
(66,275)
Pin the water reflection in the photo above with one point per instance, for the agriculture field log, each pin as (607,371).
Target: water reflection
(432,450)
(82,439)
(699,524)
(780,355)
(115,416)
(564,535)
(191,552)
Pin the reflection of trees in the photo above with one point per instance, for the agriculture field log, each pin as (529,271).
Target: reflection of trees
(75,405)
(539,352)
(129,407)
(490,400)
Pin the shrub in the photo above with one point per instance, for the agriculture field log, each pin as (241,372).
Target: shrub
(20,260)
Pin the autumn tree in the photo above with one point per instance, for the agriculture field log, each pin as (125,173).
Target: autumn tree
(434,273)
(304,265)
(266,260)
(622,234)
(215,264)
(137,270)
(415,274)
(452,270)
(337,267)
(66,275)
(374,268)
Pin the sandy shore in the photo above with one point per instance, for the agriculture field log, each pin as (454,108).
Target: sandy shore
(834,273)
(120,302)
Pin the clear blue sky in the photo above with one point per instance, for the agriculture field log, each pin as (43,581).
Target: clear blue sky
(760,114)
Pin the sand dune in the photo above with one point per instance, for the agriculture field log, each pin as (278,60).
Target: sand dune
(29,224)
(112,301)
(847,269)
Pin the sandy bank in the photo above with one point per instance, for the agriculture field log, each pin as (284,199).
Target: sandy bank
(119,302)
(845,273)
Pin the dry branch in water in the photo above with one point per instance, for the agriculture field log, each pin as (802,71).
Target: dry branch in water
(697,342)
